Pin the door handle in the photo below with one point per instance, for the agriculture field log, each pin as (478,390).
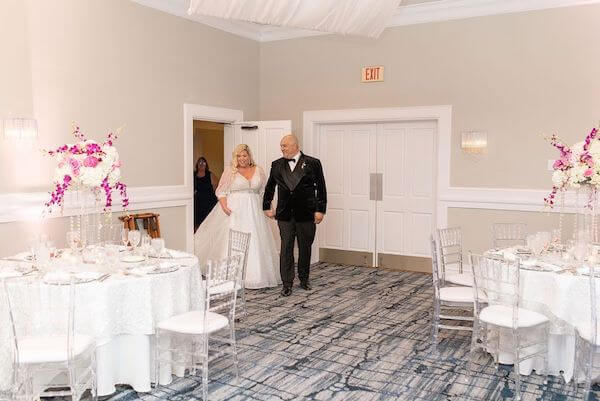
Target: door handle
(376,186)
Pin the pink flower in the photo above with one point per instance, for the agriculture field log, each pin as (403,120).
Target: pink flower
(588,173)
(561,164)
(90,161)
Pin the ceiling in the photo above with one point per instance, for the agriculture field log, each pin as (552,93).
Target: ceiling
(410,12)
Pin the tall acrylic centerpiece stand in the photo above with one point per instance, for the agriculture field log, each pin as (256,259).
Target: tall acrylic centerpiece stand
(585,230)
(91,222)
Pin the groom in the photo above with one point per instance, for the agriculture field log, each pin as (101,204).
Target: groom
(301,204)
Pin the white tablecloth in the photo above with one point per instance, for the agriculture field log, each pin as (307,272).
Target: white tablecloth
(121,312)
(565,298)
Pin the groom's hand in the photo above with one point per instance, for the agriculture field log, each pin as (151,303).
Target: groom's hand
(269,213)
(318,217)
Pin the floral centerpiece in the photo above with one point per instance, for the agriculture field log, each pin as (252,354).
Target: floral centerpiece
(87,164)
(578,166)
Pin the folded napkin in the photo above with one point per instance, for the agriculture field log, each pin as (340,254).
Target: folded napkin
(166,265)
(88,276)
(7,273)
(57,277)
(143,270)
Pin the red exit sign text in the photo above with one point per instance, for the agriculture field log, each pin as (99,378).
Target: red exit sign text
(372,74)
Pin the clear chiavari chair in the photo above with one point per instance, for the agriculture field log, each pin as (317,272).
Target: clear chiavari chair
(498,309)
(239,243)
(449,303)
(12,383)
(508,234)
(451,257)
(48,342)
(587,346)
(200,326)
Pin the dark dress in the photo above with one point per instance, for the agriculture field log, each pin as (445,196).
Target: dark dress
(204,198)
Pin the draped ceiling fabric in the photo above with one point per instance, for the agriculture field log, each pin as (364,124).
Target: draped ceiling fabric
(354,17)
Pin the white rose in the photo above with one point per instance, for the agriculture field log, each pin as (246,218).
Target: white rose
(559,178)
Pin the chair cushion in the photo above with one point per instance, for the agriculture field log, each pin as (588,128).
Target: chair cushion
(224,287)
(49,349)
(465,279)
(193,323)
(585,332)
(500,315)
(456,294)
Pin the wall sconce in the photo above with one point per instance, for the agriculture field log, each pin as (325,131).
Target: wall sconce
(474,142)
(20,129)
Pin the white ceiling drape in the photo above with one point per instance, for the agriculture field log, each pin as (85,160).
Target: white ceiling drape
(354,17)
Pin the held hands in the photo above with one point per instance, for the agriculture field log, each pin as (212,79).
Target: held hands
(269,213)
(318,217)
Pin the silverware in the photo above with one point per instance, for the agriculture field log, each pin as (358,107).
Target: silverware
(104,277)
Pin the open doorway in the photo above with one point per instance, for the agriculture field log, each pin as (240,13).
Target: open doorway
(208,145)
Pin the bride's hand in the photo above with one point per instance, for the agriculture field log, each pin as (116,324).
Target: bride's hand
(223,203)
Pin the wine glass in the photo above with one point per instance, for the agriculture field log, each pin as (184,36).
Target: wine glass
(125,236)
(580,251)
(134,237)
(146,245)
(74,241)
(158,244)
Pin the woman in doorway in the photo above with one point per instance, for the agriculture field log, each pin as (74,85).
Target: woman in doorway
(205,184)
(240,208)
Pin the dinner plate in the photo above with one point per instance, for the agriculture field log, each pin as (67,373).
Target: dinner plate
(132,258)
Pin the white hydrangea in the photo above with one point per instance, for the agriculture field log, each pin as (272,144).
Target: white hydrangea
(559,178)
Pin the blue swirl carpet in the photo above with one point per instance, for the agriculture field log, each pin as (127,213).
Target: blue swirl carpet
(360,334)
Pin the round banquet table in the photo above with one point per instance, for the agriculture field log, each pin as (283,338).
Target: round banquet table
(120,312)
(551,286)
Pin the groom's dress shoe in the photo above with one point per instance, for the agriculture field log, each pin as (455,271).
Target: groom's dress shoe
(286,292)
(305,285)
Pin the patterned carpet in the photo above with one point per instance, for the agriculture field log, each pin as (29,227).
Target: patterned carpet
(360,334)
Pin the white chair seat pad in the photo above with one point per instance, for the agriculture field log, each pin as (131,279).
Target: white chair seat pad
(224,287)
(456,294)
(585,332)
(500,315)
(33,350)
(465,279)
(193,323)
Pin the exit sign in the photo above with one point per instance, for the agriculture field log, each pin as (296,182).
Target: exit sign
(372,74)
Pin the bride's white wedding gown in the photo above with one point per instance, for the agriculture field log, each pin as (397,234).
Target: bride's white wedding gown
(244,198)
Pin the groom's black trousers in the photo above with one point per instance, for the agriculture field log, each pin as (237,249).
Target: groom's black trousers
(289,231)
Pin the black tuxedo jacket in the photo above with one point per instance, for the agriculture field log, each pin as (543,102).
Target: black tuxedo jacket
(300,193)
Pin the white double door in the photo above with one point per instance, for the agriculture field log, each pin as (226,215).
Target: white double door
(381,187)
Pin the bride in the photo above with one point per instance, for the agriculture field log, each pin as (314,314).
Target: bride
(240,208)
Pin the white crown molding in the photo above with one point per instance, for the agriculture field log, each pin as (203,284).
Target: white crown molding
(445,10)
(441,10)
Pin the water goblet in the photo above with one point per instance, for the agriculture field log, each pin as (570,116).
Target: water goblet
(158,244)
(134,237)
(146,245)
(580,251)
(125,236)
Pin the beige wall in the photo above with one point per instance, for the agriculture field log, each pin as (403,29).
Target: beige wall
(106,64)
(514,76)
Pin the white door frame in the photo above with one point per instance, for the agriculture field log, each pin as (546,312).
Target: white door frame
(441,114)
(193,112)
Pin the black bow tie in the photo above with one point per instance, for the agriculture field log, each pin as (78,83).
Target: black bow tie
(290,160)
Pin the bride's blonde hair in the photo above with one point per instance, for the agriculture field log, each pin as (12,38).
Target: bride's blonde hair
(236,151)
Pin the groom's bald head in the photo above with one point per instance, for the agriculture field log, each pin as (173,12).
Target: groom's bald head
(289,146)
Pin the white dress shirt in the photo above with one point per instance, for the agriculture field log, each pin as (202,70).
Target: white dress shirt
(293,162)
